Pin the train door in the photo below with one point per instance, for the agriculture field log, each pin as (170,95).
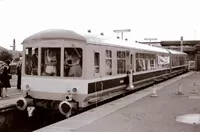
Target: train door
(97,66)
(131,62)
(198,62)
(98,72)
(129,56)
(128,61)
(132,65)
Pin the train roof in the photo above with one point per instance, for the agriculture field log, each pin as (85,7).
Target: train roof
(92,39)
(54,34)
(176,52)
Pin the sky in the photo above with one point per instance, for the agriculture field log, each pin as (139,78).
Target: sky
(161,19)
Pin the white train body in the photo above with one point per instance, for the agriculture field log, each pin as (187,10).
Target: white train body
(107,66)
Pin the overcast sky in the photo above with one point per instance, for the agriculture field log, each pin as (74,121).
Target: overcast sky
(161,19)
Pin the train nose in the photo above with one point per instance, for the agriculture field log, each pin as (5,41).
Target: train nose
(65,108)
(21,104)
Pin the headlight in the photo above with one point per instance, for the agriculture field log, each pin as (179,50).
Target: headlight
(74,90)
(68,96)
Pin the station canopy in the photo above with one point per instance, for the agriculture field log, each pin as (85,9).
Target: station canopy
(177,43)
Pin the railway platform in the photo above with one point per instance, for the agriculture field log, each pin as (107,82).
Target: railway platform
(13,94)
(139,112)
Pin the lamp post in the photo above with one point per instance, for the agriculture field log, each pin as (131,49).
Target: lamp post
(181,43)
(122,31)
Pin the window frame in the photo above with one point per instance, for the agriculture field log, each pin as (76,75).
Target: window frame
(32,48)
(121,62)
(80,62)
(108,57)
(97,63)
(58,55)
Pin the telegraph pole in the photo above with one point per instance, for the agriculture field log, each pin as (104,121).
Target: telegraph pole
(13,46)
(122,31)
(181,43)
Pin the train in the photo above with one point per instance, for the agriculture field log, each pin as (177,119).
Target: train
(67,71)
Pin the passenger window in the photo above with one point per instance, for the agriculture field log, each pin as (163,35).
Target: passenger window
(31,61)
(50,62)
(72,62)
(96,62)
(163,61)
(152,64)
(121,62)
(140,62)
(139,65)
(108,62)
(145,61)
(152,61)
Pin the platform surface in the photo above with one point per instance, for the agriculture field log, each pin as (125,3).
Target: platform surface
(13,93)
(139,112)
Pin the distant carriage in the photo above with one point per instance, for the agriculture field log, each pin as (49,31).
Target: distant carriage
(191,65)
(76,70)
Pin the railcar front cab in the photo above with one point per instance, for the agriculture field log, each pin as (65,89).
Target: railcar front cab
(53,71)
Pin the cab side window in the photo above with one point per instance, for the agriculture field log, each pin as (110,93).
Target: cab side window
(31,61)
(72,62)
(50,62)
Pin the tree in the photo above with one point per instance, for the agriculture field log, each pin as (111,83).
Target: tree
(5,55)
(16,60)
(20,54)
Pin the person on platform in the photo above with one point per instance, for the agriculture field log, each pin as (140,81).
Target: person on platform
(5,80)
(19,66)
(35,62)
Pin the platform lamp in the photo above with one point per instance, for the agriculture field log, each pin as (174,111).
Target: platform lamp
(181,43)
(121,31)
(150,39)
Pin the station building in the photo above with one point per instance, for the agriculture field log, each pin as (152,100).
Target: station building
(191,47)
